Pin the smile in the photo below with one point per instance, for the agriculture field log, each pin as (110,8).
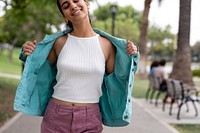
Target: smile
(76,12)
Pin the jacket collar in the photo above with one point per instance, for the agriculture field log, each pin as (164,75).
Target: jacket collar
(52,37)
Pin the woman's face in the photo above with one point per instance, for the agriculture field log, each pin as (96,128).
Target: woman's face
(74,10)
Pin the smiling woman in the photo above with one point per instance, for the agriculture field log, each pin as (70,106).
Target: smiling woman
(65,5)
(70,76)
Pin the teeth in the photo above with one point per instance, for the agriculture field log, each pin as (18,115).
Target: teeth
(76,12)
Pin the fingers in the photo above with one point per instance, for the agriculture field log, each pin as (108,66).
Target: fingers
(28,47)
(131,48)
(34,42)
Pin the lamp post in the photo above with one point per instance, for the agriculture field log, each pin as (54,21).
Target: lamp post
(113,9)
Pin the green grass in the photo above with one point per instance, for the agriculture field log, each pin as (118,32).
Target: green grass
(185,128)
(8,86)
(13,67)
(7,93)
(140,88)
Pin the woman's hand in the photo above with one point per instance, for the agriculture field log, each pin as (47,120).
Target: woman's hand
(28,47)
(131,48)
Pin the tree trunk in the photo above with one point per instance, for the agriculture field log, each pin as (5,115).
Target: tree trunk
(182,64)
(143,39)
(10,50)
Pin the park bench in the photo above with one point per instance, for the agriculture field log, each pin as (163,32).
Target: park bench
(150,87)
(154,86)
(181,94)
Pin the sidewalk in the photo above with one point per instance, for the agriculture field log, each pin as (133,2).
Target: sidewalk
(12,76)
(185,117)
(142,122)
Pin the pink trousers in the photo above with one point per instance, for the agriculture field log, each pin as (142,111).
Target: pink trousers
(71,119)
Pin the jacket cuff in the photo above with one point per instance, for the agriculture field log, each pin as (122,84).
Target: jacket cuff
(22,56)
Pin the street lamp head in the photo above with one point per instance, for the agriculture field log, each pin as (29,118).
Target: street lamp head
(113,9)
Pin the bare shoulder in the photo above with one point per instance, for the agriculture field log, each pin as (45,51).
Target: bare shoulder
(106,44)
(59,43)
(107,47)
(57,47)
(105,41)
(60,40)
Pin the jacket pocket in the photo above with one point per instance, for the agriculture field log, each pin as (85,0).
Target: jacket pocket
(30,85)
(117,93)
(44,83)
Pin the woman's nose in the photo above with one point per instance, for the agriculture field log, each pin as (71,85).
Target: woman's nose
(73,6)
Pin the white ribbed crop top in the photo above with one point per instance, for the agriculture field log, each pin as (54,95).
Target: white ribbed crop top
(81,66)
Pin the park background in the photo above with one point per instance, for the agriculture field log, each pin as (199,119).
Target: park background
(28,20)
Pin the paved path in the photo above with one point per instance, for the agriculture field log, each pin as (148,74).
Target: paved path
(13,76)
(185,117)
(142,122)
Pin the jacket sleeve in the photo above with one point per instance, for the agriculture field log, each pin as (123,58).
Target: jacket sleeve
(22,56)
(136,58)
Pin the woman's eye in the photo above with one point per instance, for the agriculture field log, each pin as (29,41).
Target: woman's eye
(75,0)
(65,6)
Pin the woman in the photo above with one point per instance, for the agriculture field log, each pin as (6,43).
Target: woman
(82,59)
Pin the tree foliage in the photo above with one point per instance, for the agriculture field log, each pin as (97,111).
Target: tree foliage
(162,42)
(126,23)
(195,52)
(27,19)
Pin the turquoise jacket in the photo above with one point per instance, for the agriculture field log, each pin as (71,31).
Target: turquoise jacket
(39,76)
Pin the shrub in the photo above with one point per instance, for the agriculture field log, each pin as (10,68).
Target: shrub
(196,72)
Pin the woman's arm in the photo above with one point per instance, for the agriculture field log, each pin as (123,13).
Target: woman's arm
(131,49)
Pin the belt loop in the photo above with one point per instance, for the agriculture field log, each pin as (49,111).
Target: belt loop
(57,107)
(86,109)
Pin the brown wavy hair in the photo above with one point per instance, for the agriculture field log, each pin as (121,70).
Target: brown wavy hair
(69,23)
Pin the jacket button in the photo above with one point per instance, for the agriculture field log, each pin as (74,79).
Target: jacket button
(130,85)
(126,117)
(129,100)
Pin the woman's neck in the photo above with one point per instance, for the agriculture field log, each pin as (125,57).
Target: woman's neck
(83,30)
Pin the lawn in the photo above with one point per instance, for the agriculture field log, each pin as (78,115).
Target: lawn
(8,86)
(7,93)
(140,88)
(183,128)
(13,67)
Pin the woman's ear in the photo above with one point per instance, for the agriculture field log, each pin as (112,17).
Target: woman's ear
(66,21)
(87,3)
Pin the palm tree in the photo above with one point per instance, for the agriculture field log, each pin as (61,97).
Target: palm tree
(182,64)
(143,38)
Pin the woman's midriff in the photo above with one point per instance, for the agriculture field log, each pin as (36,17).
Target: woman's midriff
(65,103)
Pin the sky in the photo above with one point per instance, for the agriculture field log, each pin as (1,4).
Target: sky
(165,14)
